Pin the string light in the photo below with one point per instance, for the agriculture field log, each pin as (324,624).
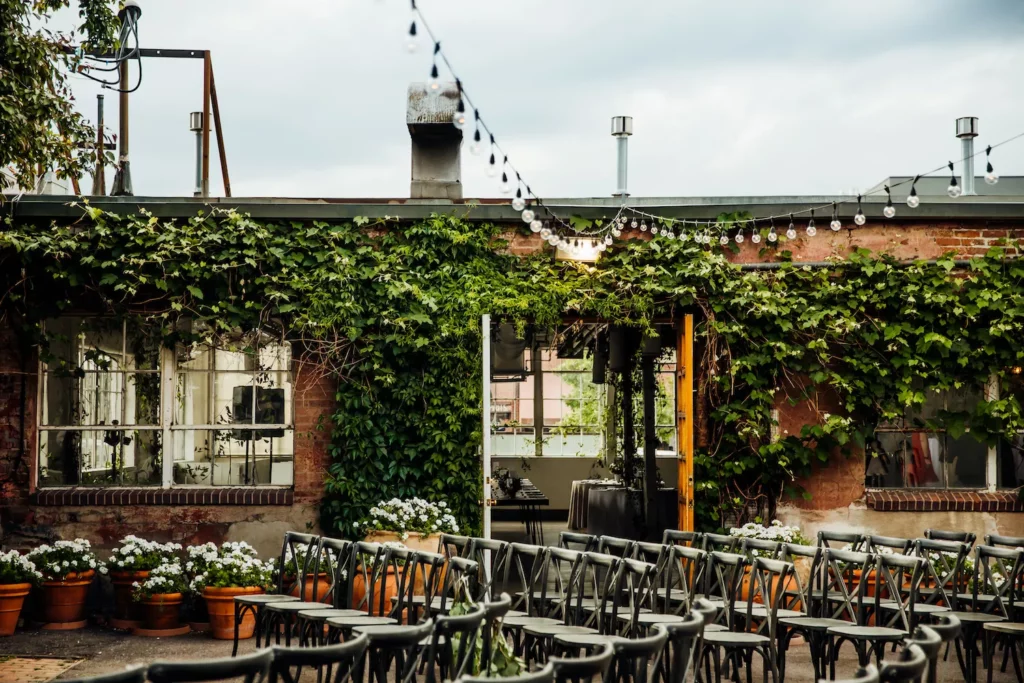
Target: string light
(991,177)
(723,240)
(536,225)
(476,146)
(492,166)
(811,229)
(859,218)
(913,201)
(643,226)
(411,44)
(518,203)
(528,215)
(654,229)
(505,186)
(434,83)
(889,211)
(459,120)
(791,230)
(739,237)
(544,232)
(953,190)
(772,237)
(836,224)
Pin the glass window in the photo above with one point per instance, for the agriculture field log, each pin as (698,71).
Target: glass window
(1010,457)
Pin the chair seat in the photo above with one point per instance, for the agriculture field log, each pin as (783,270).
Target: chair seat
(812,623)
(712,628)
(264,599)
(982,597)
(522,622)
(544,631)
(515,613)
(381,632)
(762,612)
(586,639)
(868,632)
(296,606)
(352,622)
(717,603)
(653,618)
(977,617)
(732,638)
(918,609)
(609,607)
(1005,627)
(322,614)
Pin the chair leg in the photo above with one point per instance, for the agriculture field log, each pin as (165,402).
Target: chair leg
(238,618)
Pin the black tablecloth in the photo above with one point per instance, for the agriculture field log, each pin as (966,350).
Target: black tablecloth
(618,512)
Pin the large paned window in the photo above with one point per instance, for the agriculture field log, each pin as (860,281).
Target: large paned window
(116,408)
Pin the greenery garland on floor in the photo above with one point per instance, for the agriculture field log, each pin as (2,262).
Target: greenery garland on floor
(393,309)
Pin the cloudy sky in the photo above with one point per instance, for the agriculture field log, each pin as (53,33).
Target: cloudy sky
(737,98)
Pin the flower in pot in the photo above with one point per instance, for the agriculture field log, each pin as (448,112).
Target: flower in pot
(235,571)
(68,568)
(779,533)
(129,564)
(17,576)
(415,522)
(197,560)
(161,595)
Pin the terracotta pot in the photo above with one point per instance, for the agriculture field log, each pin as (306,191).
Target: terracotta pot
(64,601)
(322,586)
(125,607)
(12,596)
(161,611)
(387,583)
(220,603)
(745,588)
(428,542)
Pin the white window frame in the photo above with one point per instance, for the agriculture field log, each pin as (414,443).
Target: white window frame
(168,373)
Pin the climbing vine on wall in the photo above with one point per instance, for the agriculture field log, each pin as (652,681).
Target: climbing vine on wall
(392,310)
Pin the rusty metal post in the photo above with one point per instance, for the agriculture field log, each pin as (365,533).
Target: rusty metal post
(123,178)
(220,132)
(206,124)
(99,178)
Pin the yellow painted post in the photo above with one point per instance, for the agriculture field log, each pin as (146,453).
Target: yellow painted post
(684,420)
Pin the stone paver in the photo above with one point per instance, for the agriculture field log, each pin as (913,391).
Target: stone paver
(33,669)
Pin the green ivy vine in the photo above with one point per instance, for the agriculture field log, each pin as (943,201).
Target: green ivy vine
(392,312)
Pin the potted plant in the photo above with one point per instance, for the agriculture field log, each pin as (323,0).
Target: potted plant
(415,522)
(160,596)
(68,568)
(17,576)
(235,571)
(297,564)
(780,533)
(387,584)
(197,560)
(129,564)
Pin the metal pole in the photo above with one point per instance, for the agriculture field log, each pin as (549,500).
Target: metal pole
(123,177)
(220,134)
(967,130)
(486,329)
(622,128)
(206,125)
(195,124)
(99,178)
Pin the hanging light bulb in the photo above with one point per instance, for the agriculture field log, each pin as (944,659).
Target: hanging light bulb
(608,239)
(669,234)
(536,225)
(683,236)
(791,230)
(859,218)
(518,203)
(633,224)
(723,240)
(991,177)
(505,186)
(913,201)
(889,211)
(836,224)
(476,147)
(812,230)
(544,232)
(643,226)
(492,166)
(459,120)
(615,231)
(740,237)
(654,229)
(772,237)
(953,190)
(601,246)
(755,237)
(528,216)
(411,43)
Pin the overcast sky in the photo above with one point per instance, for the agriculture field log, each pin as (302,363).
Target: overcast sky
(728,98)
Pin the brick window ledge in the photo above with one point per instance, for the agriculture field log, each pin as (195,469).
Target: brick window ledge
(218,495)
(918,500)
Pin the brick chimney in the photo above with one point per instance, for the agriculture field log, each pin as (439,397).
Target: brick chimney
(436,143)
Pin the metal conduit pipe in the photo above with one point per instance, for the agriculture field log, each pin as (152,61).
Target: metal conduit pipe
(776,265)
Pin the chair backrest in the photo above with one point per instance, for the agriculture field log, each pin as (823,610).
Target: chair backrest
(612,545)
(836,540)
(898,580)
(333,560)
(955,536)
(947,626)
(634,590)
(864,674)
(845,578)
(998,573)
(580,669)
(367,564)
(133,674)
(656,553)
(724,575)
(526,567)
(906,667)
(682,578)
(344,660)
(756,547)
(492,556)
(1004,541)
(494,614)
(451,545)
(460,581)
(600,576)
(720,543)
(930,643)
(944,570)
(636,659)
(570,540)
(297,553)
(454,640)
(800,596)
(564,585)
(682,638)
(692,539)
(545,675)
(767,590)
(252,667)
(404,646)
(419,573)
(874,544)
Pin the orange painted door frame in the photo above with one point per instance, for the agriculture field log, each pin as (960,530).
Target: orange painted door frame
(685,372)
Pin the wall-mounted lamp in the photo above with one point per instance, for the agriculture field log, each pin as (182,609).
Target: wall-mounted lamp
(580,249)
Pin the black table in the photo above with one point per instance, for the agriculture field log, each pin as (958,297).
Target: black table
(614,512)
(528,499)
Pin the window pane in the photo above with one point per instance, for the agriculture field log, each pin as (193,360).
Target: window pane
(100,458)
(1011,462)
(101,398)
(233,457)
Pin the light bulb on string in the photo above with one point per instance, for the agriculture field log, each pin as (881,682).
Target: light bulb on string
(633,224)
(913,201)
(476,147)
(683,236)
(889,211)
(536,225)
(528,215)
(411,44)
(669,234)
(954,189)
(434,84)
(643,226)
(654,229)
(991,177)
(723,240)
(553,240)
(836,224)
(791,230)
(544,232)
(505,186)
(859,218)
(518,203)
(608,239)
(755,235)
(740,237)
(616,232)
(492,166)
(812,230)
(772,237)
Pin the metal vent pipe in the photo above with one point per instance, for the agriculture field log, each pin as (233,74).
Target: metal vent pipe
(622,128)
(967,130)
